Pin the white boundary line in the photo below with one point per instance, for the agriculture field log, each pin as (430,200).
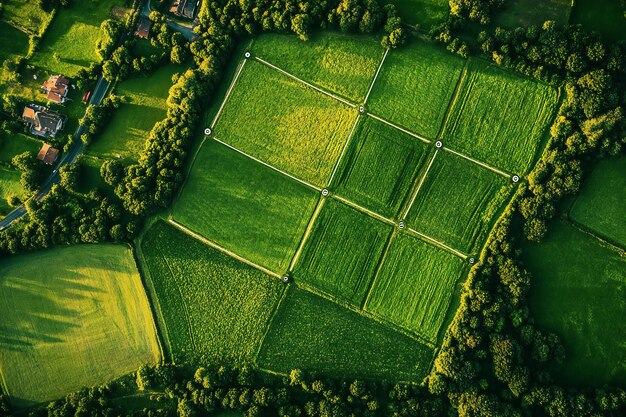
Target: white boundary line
(482,164)
(228,92)
(387,122)
(282,71)
(376,75)
(343,151)
(307,233)
(438,243)
(364,210)
(405,212)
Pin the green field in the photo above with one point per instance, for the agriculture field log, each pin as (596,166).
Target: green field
(317,335)
(601,205)
(26,15)
(72,317)
(415,86)
(342,253)
(424,13)
(342,63)
(9,186)
(516,13)
(379,167)
(14,42)
(307,129)
(607,17)
(579,292)
(15,144)
(244,206)
(500,118)
(458,202)
(415,285)
(215,308)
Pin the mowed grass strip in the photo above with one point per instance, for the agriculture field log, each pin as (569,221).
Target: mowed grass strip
(317,335)
(415,285)
(285,123)
(500,118)
(379,166)
(245,206)
(215,308)
(458,202)
(341,63)
(342,253)
(72,317)
(415,86)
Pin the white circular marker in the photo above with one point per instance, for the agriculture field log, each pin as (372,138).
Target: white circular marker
(207,131)
(472,260)
(515,178)
(286,278)
(247,55)
(361,109)
(438,144)
(401,225)
(324,192)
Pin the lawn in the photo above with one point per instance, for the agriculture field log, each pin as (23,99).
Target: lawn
(415,285)
(26,15)
(317,335)
(579,292)
(458,202)
(342,253)
(245,206)
(15,144)
(215,308)
(284,123)
(601,205)
(415,86)
(341,63)
(9,186)
(424,13)
(516,13)
(500,118)
(607,17)
(14,42)
(72,317)
(379,167)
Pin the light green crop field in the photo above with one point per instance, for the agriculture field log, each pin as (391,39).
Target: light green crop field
(601,205)
(215,308)
(379,167)
(342,253)
(72,317)
(317,335)
(458,202)
(14,42)
(26,15)
(244,206)
(341,63)
(284,123)
(415,285)
(516,13)
(579,292)
(500,118)
(424,13)
(9,186)
(415,86)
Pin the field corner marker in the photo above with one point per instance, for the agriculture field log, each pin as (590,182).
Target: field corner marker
(439,144)
(471,260)
(515,178)
(285,278)
(208,131)
(401,225)
(325,192)
(247,55)
(361,109)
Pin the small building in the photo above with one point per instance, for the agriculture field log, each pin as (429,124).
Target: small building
(42,121)
(143,28)
(186,8)
(56,88)
(47,154)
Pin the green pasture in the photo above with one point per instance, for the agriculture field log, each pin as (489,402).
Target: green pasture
(579,292)
(379,167)
(26,15)
(9,186)
(607,17)
(415,86)
(215,308)
(284,123)
(72,317)
(245,206)
(341,63)
(524,13)
(14,42)
(317,335)
(15,144)
(424,13)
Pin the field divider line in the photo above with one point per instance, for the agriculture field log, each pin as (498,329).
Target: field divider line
(482,164)
(270,321)
(379,267)
(382,61)
(221,248)
(228,92)
(438,243)
(301,181)
(408,132)
(363,210)
(405,212)
(453,99)
(316,88)
(343,151)
(306,234)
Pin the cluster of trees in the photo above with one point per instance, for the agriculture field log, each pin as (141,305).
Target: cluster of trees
(50,5)
(110,32)
(167,39)
(31,169)
(97,115)
(476,10)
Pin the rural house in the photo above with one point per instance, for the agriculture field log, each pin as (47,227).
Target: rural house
(185,8)
(42,121)
(47,154)
(56,88)
(143,28)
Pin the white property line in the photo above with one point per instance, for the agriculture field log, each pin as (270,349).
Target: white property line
(307,233)
(364,210)
(343,151)
(282,71)
(482,164)
(419,186)
(221,248)
(303,182)
(387,122)
(438,243)
(376,76)
(230,89)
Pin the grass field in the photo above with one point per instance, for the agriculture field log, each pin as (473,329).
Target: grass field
(15,144)
(342,253)
(607,17)
(14,42)
(424,13)
(215,308)
(72,317)
(344,64)
(314,334)
(458,202)
(500,118)
(579,292)
(601,205)
(26,15)
(307,129)
(379,166)
(9,186)
(244,206)
(415,86)
(415,285)
(516,13)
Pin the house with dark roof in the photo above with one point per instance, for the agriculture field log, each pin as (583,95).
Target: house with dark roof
(56,88)
(47,154)
(187,8)
(143,28)
(42,121)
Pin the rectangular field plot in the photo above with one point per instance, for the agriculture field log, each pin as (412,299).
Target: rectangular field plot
(422,12)
(342,252)
(415,86)
(245,206)
(72,317)
(458,202)
(516,13)
(285,123)
(415,285)
(379,166)
(317,335)
(341,63)
(214,308)
(500,118)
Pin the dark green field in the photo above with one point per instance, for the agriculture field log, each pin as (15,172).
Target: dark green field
(603,16)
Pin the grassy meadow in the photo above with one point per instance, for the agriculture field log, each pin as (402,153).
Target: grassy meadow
(26,15)
(14,42)
(607,17)
(9,186)
(516,13)
(424,13)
